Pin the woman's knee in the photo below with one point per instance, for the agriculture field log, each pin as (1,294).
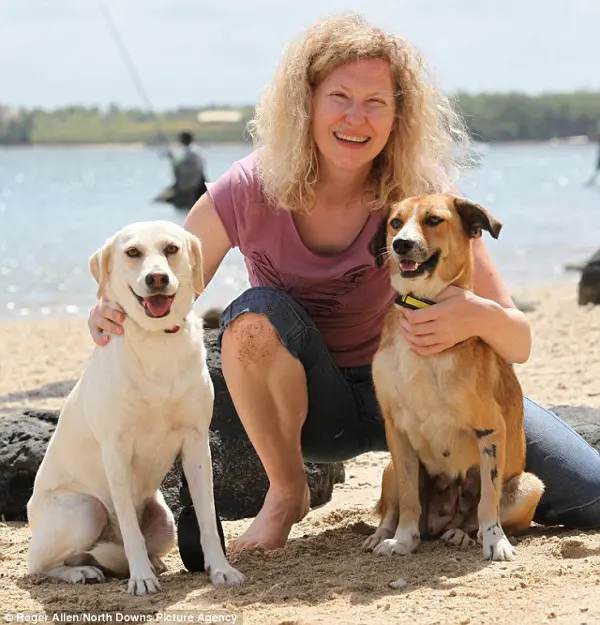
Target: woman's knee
(250,338)
(261,321)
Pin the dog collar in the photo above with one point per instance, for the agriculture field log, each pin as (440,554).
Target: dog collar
(173,330)
(412,301)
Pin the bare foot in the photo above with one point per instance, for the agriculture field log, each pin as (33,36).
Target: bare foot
(271,528)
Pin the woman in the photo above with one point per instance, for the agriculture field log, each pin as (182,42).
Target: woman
(350,123)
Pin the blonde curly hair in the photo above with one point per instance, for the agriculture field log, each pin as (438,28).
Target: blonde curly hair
(421,154)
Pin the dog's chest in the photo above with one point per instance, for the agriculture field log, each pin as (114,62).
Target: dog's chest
(416,390)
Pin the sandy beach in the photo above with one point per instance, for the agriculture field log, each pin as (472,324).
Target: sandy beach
(322,576)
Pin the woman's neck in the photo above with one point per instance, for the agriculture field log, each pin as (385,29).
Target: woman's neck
(336,185)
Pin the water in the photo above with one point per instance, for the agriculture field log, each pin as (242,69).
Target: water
(58,205)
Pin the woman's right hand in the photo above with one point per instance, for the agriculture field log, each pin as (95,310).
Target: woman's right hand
(105,318)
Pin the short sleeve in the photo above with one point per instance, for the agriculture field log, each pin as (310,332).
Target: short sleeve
(231,195)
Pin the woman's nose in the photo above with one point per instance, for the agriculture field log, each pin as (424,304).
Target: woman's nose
(355,112)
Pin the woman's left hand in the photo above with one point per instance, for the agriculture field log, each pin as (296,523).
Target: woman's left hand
(454,318)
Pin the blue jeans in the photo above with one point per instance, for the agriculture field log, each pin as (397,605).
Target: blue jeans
(344,419)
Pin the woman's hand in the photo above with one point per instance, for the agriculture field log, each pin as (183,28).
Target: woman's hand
(456,316)
(105,318)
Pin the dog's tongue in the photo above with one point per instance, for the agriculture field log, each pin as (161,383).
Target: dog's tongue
(158,305)
(408,265)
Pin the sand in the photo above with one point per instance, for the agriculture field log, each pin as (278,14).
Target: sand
(322,576)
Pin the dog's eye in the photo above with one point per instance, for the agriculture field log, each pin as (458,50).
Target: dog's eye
(171,249)
(433,220)
(396,223)
(133,252)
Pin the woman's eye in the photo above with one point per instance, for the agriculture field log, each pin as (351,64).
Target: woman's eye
(396,223)
(433,220)
(171,249)
(133,252)
(338,94)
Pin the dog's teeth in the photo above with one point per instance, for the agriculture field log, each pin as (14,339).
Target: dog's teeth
(408,265)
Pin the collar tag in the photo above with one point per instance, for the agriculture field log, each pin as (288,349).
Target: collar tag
(173,330)
(412,302)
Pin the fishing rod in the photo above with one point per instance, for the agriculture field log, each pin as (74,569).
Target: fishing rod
(128,61)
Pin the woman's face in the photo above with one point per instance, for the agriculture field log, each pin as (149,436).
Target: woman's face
(353,113)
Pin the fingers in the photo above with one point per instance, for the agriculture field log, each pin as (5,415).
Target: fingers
(113,314)
(105,319)
(421,329)
(99,337)
(429,350)
(422,315)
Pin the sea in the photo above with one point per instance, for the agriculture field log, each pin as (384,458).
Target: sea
(59,204)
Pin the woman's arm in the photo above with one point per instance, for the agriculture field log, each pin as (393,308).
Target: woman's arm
(502,325)
(489,312)
(204,221)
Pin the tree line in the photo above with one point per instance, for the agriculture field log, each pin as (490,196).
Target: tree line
(490,117)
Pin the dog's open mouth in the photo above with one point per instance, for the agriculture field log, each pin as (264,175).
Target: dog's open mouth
(413,269)
(155,306)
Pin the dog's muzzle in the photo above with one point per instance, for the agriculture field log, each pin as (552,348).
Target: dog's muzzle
(413,259)
(157,305)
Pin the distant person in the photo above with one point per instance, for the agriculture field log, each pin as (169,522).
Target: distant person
(188,171)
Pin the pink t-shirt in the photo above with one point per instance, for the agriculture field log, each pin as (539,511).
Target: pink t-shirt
(346,294)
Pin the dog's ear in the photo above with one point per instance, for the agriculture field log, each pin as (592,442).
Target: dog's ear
(378,244)
(475,218)
(101,265)
(195,256)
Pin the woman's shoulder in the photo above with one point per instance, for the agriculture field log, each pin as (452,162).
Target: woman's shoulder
(243,178)
(245,169)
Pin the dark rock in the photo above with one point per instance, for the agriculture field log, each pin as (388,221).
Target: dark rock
(240,483)
(589,283)
(584,420)
(23,441)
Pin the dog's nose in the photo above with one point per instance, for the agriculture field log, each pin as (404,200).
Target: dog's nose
(157,280)
(402,246)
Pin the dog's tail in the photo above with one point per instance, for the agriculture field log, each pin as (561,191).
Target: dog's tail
(111,558)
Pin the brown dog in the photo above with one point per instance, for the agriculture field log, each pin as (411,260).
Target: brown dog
(455,413)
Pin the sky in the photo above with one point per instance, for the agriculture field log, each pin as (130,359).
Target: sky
(223,52)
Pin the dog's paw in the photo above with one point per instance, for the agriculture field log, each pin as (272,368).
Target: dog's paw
(143,584)
(495,544)
(377,538)
(225,575)
(403,543)
(83,574)
(457,537)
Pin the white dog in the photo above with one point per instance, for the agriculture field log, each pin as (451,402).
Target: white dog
(143,398)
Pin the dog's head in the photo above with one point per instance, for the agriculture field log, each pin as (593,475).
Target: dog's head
(426,241)
(152,269)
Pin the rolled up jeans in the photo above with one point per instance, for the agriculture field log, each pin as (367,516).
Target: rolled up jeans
(344,419)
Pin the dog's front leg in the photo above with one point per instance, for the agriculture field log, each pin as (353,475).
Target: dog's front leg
(115,456)
(492,441)
(406,467)
(197,466)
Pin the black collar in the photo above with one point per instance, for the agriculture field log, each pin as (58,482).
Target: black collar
(412,301)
